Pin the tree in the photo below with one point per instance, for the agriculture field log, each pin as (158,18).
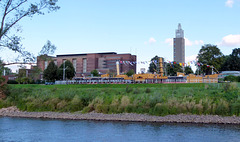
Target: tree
(50,73)
(198,71)
(69,70)
(152,65)
(172,69)
(232,62)
(188,70)
(94,73)
(35,73)
(130,73)
(210,55)
(226,63)
(48,48)
(14,11)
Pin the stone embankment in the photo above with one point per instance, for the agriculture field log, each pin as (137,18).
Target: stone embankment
(180,118)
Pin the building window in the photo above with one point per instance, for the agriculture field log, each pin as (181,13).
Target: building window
(46,64)
(74,61)
(84,65)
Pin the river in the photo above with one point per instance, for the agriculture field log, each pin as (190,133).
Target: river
(34,130)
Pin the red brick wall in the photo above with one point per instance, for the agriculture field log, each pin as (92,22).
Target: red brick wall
(92,62)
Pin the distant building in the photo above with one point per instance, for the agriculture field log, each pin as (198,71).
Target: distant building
(227,73)
(179,46)
(85,63)
(142,70)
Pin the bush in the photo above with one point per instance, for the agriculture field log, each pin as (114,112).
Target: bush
(148,90)
(231,78)
(136,91)
(161,109)
(228,87)
(12,82)
(129,89)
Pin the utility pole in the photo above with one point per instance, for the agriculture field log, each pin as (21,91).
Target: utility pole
(4,72)
(64,70)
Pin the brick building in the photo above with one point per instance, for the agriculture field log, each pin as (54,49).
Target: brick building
(85,63)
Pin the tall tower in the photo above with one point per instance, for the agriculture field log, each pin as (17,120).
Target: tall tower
(179,45)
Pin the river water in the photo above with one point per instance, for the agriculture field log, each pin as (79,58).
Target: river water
(34,130)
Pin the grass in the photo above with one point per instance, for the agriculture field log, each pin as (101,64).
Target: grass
(153,99)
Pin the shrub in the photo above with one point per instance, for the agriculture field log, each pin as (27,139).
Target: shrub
(228,87)
(12,82)
(129,89)
(136,91)
(161,109)
(222,107)
(148,90)
(76,104)
(62,105)
(125,101)
(231,78)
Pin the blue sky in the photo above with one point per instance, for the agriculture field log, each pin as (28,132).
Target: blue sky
(141,27)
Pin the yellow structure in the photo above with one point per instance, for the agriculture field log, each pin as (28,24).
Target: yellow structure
(161,66)
(180,74)
(124,76)
(117,66)
(191,78)
(104,75)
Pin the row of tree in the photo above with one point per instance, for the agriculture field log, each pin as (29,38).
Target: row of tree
(212,55)
(169,69)
(52,72)
(208,55)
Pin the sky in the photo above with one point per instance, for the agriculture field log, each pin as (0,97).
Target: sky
(141,27)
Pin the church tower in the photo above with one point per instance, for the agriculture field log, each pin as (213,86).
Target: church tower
(179,46)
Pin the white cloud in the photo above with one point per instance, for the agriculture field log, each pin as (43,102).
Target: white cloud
(230,40)
(191,58)
(191,43)
(187,42)
(169,41)
(229,3)
(150,41)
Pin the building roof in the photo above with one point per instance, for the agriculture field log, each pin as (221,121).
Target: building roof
(85,54)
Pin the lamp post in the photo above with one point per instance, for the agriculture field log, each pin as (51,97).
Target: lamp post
(64,70)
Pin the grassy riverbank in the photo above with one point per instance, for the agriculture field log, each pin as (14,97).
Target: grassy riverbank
(153,99)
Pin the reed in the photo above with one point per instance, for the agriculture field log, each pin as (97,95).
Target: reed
(154,99)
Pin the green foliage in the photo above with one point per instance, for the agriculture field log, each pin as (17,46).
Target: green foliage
(69,70)
(48,48)
(232,78)
(3,69)
(4,89)
(129,89)
(232,62)
(152,66)
(12,12)
(12,82)
(163,99)
(148,90)
(188,70)
(172,69)
(210,55)
(130,73)
(95,73)
(50,73)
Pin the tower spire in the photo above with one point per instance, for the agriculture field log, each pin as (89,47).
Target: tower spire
(179,32)
(179,26)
